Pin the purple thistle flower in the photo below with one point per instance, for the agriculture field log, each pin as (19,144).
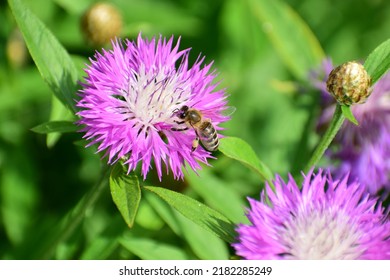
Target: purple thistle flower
(130,101)
(364,150)
(327,219)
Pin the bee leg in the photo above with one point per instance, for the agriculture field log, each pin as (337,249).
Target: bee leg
(195,144)
(179,129)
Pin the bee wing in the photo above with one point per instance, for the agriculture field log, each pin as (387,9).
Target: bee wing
(229,111)
(226,111)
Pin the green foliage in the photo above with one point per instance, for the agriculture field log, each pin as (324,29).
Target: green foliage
(378,62)
(55,126)
(197,212)
(238,149)
(56,204)
(126,193)
(149,249)
(52,60)
(291,36)
(348,114)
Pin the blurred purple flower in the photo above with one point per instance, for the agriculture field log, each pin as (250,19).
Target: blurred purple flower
(327,219)
(364,150)
(130,101)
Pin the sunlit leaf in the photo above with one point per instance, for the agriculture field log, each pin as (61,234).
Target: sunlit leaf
(197,212)
(348,114)
(378,62)
(52,60)
(126,193)
(238,149)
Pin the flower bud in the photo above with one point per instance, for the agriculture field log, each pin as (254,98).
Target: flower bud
(349,83)
(101,23)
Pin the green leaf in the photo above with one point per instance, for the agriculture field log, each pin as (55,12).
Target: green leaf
(238,149)
(52,60)
(216,193)
(378,62)
(197,212)
(290,35)
(55,126)
(126,193)
(148,249)
(204,244)
(348,114)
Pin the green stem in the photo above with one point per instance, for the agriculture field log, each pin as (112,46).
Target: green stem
(73,219)
(334,126)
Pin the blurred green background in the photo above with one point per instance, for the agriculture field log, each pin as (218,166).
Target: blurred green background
(39,185)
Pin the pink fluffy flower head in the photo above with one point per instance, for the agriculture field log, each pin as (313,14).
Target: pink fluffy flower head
(327,219)
(130,101)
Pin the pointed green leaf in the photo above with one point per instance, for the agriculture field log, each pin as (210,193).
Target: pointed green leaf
(348,114)
(52,60)
(55,126)
(238,149)
(378,62)
(197,212)
(126,193)
(290,35)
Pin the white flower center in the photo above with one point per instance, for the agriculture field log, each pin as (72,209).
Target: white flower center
(322,235)
(154,97)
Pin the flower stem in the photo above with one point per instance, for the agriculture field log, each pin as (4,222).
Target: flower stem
(334,126)
(75,216)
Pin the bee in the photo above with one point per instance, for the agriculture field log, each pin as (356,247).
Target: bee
(204,129)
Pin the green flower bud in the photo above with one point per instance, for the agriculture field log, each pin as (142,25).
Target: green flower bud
(349,83)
